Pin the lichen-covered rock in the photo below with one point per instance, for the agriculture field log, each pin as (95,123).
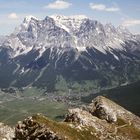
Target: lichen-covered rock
(84,118)
(102,129)
(32,130)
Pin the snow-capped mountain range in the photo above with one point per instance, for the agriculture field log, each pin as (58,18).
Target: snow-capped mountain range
(78,31)
(76,47)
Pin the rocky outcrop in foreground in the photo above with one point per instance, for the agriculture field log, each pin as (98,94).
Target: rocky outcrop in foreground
(100,120)
(6,132)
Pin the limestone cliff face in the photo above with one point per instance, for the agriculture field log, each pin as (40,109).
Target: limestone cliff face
(100,120)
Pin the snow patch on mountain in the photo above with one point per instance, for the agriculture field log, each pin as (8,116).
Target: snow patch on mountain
(69,23)
(64,32)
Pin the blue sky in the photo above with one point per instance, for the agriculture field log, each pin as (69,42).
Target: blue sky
(125,12)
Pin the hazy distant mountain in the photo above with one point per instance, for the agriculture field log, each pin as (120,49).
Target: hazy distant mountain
(44,52)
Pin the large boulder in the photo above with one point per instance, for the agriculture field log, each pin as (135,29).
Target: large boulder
(102,109)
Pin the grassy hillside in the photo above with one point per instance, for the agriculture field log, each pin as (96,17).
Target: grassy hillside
(27,103)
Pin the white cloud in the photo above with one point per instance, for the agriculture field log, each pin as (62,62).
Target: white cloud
(58,4)
(132,22)
(99,7)
(13,16)
(102,7)
(112,9)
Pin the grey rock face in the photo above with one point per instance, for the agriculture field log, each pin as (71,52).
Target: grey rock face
(107,110)
(102,110)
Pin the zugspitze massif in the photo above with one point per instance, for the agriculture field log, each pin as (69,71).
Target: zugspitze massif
(76,48)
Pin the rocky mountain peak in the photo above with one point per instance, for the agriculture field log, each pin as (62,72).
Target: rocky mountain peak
(123,29)
(108,110)
(25,25)
(27,19)
(95,122)
(69,23)
(73,17)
